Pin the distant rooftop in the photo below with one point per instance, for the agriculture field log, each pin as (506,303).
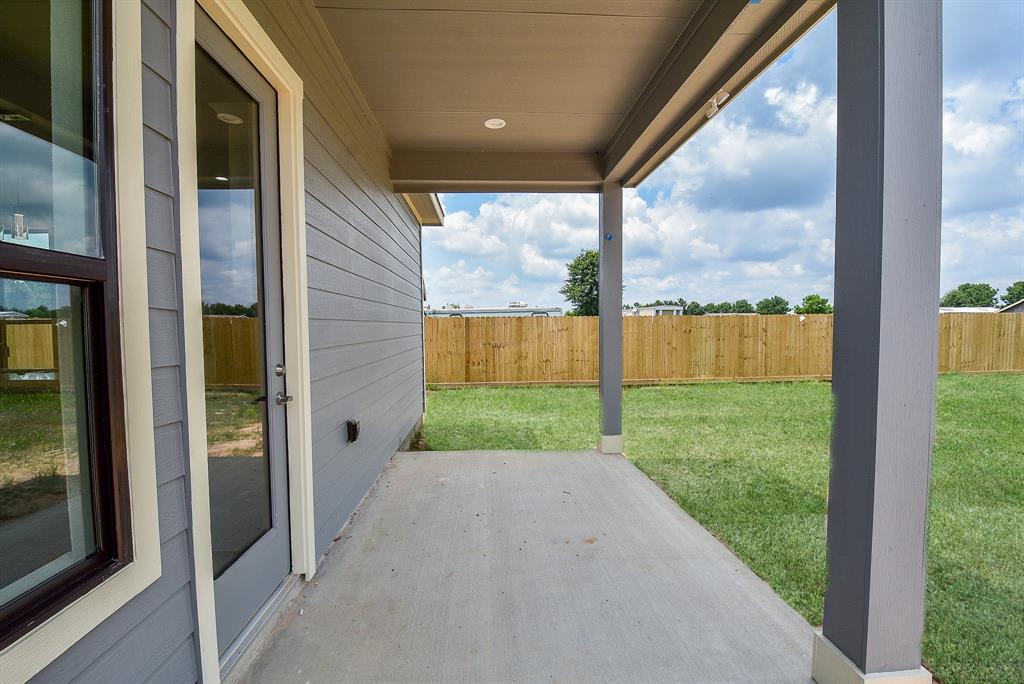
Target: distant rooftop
(968,309)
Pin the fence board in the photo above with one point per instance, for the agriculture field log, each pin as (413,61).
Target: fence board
(523,350)
(564,349)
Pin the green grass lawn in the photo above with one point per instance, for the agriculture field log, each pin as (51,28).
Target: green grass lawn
(750,463)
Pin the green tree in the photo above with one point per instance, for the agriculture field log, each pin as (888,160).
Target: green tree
(970,294)
(772,306)
(40,311)
(813,304)
(1014,293)
(723,308)
(694,309)
(742,306)
(580,287)
(222,309)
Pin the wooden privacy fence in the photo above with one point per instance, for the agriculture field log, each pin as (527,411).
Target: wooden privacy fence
(665,349)
(523,350)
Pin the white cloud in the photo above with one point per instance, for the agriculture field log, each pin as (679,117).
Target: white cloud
(458,283)
(971,136)
(746,209)
(537,264)
(461,234)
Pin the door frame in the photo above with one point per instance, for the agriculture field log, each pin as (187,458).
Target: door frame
(238,23)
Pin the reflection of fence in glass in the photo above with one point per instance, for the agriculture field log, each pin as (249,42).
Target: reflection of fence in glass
(686,348)
(28,358)
(230,345)
(232,353)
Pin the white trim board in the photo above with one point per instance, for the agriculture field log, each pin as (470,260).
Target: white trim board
(30,654)
(830,666)
(235,19)
(612,444)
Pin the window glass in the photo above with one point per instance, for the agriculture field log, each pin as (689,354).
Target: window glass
(48,165)
(230,237)
(46,520)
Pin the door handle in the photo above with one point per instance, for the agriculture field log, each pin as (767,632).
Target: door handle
(281,399)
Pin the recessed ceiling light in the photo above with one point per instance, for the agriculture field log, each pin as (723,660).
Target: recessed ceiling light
(229,118)
(220,178)
(494,124)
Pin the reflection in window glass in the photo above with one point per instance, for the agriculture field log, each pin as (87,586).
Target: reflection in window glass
(227,127)
(48,174)
(46,520)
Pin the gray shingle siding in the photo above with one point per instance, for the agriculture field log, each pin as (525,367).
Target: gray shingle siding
(152,636)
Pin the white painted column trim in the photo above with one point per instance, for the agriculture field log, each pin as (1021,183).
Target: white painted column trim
(830,666)
(612,444)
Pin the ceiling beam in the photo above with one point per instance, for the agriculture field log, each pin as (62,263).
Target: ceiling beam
(419,171)
(636,151)
(651,113)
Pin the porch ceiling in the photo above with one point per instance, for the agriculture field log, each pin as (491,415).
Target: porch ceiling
(590,89)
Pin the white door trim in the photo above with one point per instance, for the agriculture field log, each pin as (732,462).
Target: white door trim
(234,18)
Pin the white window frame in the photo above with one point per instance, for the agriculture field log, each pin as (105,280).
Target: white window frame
(245,32)
(35,650)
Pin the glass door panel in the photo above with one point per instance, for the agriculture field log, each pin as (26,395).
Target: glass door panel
(243,332)
(227,122)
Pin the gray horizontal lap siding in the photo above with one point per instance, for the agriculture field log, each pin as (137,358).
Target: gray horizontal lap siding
(365,334)
(152,637)
(363,266)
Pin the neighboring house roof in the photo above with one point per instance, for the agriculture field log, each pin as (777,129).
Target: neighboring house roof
(1016,307)
(968,309)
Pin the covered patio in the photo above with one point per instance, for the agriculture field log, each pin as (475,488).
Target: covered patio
(567,96)
(530,566)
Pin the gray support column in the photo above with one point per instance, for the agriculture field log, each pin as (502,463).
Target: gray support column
(610,311)
(888,206)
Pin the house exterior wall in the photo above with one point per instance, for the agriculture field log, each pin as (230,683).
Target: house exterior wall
(151,637)
(366,331)
(363,266)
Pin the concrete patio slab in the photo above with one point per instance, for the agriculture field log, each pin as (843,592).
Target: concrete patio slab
(531,567)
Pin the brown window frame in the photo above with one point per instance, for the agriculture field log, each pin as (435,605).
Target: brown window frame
(98,279)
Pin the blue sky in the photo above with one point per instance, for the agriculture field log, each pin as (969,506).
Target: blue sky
(747,207)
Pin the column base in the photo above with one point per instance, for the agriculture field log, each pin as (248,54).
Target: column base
(612,444)
(830,666)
